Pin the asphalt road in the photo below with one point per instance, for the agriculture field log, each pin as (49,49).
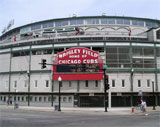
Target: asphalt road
(26,118)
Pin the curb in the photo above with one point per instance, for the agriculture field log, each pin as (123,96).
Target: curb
(150,111)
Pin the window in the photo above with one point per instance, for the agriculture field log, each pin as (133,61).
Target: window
(96,83)
(99,49)
(18,98)
(151,24)
(70,84)
(127,22)
(49,99)
(44,99)
(35,99)
(46,25)
(76,22)
(113,83)
(26,98)
(35,83)
(40,99)
(107,21)
(64,99)
(138,23)
(20,53)
(104,21)
(111,21)
(25,30)
(36,27)
(123,83)
(14,98)
(61,23)
(56,50)
(86,83)
(15,84)
(148,83)
(22,98)
(139,83)
(30,98)
(92,21)
(6,86)
(119,21)
(47,83)
(25,83)
(70,99)
(54,99)
(42,52)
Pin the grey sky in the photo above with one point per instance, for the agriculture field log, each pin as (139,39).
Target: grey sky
(27,11)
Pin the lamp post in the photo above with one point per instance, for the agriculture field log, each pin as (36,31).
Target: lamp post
(153,96)
(60,83)
(132,71)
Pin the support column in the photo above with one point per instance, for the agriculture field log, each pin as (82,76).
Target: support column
(131,75)
(52,81)
(156,75)
(10,67)
(109,98)
(29,75)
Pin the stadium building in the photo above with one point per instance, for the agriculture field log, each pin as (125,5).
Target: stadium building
(129,46)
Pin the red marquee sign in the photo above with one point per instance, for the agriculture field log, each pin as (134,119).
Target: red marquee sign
(78,55)
(68,60)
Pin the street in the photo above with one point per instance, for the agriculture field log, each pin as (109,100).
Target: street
(31,118)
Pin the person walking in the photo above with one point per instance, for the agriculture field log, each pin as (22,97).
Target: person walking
(144,107)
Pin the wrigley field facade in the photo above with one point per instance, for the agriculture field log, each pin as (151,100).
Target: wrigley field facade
(129,46)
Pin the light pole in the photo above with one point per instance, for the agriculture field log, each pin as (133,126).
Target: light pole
(153,96)
(132,71)
(60,83)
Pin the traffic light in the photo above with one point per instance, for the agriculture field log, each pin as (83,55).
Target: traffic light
(44,63)
(107,86)
(107,83)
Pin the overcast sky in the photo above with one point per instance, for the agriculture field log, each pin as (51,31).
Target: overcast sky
(29,11)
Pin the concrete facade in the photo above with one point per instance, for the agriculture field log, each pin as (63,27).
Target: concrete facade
(133,61)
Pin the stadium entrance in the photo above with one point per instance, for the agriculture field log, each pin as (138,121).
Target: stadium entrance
(91,101)
(81,67)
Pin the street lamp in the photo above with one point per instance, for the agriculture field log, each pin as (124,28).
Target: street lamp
(60,83)
(132,72)
(154,104)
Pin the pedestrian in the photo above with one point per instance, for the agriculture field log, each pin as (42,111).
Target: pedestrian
(10,101)
(144,107)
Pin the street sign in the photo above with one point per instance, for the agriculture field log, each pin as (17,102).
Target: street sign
(140,93)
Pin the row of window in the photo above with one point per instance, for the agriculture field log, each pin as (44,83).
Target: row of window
(96,84)
(89,21)
(26,84)
(67,99)
(122,57)
(34,52)
(47,84)
(139,83)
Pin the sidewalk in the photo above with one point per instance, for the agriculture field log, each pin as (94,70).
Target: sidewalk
(111,111)
(149,110)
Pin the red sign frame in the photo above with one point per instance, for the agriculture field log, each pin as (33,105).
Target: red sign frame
(78,55)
